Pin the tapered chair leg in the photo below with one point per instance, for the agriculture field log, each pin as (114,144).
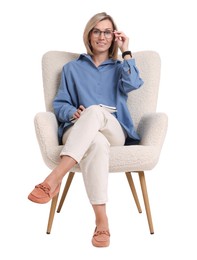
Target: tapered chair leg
(146,200)
(133,190)
(51,214)
(66,188)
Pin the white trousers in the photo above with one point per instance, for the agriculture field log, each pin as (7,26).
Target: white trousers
(88,142)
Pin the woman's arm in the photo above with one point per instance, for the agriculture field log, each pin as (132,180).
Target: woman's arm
(130,78)
(62,104)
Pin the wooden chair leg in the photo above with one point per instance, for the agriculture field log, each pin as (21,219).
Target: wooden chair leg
(146,200)
(66,188)
(133,190)
(51,214)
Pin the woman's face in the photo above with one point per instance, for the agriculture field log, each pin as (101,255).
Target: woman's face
(101,37)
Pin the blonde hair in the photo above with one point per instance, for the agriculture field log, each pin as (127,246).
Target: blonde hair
(113,50)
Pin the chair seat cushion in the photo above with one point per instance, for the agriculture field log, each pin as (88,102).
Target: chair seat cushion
(122,158)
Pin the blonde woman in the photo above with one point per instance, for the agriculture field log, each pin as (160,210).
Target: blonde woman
(91,109)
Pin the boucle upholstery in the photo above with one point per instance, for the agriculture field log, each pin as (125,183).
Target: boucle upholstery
(150,125)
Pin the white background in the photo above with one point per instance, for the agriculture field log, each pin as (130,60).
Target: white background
(28,29)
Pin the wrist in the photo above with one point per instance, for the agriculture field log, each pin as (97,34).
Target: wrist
(126,54)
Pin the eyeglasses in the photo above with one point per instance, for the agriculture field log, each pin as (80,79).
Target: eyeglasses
(108,34)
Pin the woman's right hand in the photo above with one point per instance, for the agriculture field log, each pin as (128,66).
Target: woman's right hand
(77,114)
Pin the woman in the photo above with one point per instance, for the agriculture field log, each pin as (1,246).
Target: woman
(86,128)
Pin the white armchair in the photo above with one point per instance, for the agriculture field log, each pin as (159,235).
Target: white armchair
(150,125)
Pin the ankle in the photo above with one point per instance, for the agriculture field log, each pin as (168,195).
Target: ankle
(102,223)
(53,180)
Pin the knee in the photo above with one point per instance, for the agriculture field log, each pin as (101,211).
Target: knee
(93,109)
(93,112)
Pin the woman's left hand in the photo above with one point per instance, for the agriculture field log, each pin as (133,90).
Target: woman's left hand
(122,41)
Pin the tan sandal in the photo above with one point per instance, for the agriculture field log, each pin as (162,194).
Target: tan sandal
(101,238)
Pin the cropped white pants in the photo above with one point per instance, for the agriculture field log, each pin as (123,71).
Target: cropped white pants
(88,142)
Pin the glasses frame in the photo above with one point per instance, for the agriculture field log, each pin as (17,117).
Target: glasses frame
(104,33)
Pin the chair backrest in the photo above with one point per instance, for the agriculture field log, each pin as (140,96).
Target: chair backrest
(140,102)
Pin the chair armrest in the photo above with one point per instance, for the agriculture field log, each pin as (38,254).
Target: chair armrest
(152,129)
(46,128)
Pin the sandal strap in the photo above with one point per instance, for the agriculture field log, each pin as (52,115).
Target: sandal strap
(101,232)
(45,188)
